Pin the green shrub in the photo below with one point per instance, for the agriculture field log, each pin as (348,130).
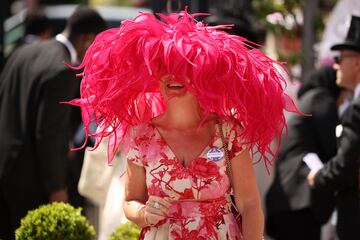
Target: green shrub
(126,231)
(56,221)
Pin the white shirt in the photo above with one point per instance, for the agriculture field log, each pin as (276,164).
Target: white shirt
(31,38)
(73,54)
(357,91)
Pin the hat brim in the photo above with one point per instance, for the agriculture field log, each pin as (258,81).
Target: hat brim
(346,45)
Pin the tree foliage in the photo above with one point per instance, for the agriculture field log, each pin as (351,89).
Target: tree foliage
(289,8)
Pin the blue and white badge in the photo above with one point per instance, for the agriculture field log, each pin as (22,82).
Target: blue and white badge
(215,154)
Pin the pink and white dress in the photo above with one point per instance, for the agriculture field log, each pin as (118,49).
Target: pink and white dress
(201,205)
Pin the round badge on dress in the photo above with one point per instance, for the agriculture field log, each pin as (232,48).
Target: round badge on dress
(215,154)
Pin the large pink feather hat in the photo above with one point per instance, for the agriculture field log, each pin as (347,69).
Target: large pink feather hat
(123,67)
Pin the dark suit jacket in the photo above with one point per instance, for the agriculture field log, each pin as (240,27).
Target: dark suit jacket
(340,175)
(290,190)
(34,126)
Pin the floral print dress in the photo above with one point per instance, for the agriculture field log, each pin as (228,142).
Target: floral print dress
(200,201)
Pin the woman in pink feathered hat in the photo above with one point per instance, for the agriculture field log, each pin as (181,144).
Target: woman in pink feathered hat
(180,98)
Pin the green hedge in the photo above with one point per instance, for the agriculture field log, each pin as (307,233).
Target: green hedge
(56,221)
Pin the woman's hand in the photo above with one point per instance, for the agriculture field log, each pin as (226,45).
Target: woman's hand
(59,196)
(156,209)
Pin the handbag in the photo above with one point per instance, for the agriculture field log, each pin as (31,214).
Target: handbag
(234,210)
(96,174)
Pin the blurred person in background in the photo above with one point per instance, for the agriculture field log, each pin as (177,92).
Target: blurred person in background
(37,26)
(239,14)
(340,174)
(294,210)
(168,6)
(35,127)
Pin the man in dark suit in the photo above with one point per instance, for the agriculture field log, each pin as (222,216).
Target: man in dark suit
(293,210)
(341,173)
(35,128)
